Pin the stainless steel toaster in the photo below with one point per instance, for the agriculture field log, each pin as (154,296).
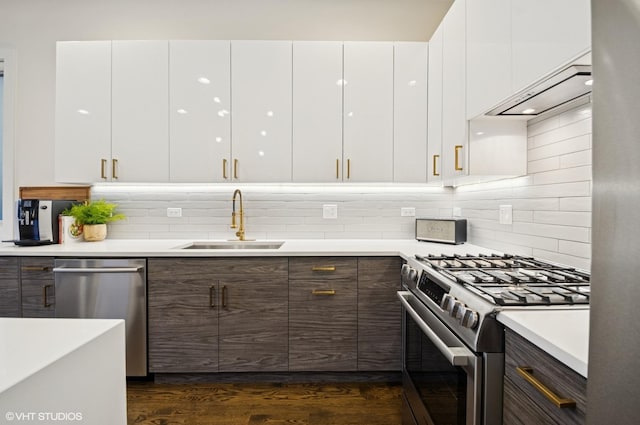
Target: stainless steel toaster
(444,230)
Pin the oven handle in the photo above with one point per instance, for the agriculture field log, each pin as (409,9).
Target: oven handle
(457,356)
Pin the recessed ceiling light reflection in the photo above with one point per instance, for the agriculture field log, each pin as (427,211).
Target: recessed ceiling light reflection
(204,80)
(216,99)
(218,139)
(269,113)
(260,153)
(341,82)
(263,133)
(223,112)
(412,83)
(588,83)
(528,111)
(350,114)
(479,133)
(82,112)
(181,111)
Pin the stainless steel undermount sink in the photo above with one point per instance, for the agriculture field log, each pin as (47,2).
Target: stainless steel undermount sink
(233,245)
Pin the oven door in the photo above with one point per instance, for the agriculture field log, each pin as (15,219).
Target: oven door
(442,378)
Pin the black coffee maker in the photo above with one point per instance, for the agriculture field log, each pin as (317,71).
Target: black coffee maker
(38,222)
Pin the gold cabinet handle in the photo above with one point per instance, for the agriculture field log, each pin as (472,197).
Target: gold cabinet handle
(527,374)
(435,161)
(348,168)
(337,168)
(457,152)
(45,294)
(224,296)
(235,168)
(36,268)
(323,268)
(103,169)
(114,168)
(323,292)
(212,296)
(224,168)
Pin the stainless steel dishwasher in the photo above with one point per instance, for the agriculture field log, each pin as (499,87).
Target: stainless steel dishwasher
(107,289)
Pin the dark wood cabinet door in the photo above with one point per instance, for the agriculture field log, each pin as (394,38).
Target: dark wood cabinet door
(182,315)
(37,287)
(9,287)
(253,315)
(323,314)
(379,314)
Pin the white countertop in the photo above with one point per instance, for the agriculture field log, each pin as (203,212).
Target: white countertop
(293,247)
(564,334)
(30,345)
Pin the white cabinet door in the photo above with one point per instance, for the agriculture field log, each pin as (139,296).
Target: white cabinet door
(83,111)
(261,102)
(488,54)
(317,111)
(434,108)
(199,111)
(410,112)
(368,112)
(454,117)
(547,34)
(140,105)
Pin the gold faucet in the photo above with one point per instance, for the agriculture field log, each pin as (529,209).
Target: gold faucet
(234,224)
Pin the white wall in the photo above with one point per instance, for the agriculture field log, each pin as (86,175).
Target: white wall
(272,211)
(32,28)
(551,205)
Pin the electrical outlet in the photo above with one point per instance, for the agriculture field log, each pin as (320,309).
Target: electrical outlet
(329,211)
(174,212)
(407,212)
(506,214)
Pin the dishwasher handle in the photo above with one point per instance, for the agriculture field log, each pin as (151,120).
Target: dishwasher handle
(97,269)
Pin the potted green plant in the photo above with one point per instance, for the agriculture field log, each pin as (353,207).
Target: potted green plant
(94,216)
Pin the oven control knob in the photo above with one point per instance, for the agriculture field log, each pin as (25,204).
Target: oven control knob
(456,308)
(447,302)
(404,272)
(468,318)
(413,275)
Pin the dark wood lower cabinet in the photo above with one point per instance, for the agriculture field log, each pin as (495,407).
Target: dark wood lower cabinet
(523,404)
(9,287)
(217,314)
(37,287)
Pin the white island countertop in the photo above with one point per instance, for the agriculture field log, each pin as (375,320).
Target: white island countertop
(291,247)
(564,334)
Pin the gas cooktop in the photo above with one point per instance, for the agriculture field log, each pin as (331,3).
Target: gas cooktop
(512,280)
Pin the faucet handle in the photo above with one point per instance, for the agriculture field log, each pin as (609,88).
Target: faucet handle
(234,225)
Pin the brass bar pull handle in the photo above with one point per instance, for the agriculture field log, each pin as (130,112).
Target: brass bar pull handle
(45,294)
(114,168)
(36,268)
(527,374)
(337,168)
(435,162)
(235,168)
(224,297)
(348,168)
(323,292)
(224,168)
(323,268)
(103,169)
(457,152)
(212,296)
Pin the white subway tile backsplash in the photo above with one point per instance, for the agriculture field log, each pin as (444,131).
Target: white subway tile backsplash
(575,204)
(565,218)
(563,147)
(576,159)
(575,249)
(574,174)
(545,164)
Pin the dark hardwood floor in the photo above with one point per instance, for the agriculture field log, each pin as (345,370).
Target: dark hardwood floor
(252,404)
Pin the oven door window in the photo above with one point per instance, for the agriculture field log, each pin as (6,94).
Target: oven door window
(441,387)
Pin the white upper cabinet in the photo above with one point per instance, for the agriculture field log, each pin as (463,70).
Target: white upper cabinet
(410,112)
(83,111)
(261,118)
(434,108)
(199,111)
(488,54)
(454,118)
(368,112)
(140,104)
(547,34)
(317,111)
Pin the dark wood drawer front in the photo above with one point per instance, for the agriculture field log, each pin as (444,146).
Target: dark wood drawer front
(9,298)
(519,409)
(8,268)
(323,268)
(557,377)
(36,268)
(323,326)
(38,298)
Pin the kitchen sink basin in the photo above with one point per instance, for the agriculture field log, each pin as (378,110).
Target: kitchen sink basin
(234,245)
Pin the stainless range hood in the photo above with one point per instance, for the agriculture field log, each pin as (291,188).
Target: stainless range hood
(559,89)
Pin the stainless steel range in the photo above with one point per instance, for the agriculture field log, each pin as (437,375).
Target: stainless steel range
(453,344)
